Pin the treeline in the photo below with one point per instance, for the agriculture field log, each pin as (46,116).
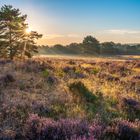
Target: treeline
(91,46)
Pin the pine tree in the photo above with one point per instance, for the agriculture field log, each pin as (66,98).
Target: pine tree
(14,42)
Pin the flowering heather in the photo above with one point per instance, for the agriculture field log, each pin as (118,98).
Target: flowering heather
(64,129)
(123,130)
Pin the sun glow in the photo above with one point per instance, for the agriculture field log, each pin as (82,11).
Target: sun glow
(27,31)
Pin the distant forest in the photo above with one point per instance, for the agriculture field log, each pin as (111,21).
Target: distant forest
(91,46)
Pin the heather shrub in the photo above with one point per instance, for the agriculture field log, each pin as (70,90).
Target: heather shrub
(40,108)
(123,130)
(134,83)
(108,77)
(51,80)
(74,73)
(31,66)
(34,66)
(112,78)
(137,65)
(71,62)
(119,69)
(7,135)
(48,129)
(4,62)
(131,107)
(12,116)
(79,73)
(5,80)
(68,69)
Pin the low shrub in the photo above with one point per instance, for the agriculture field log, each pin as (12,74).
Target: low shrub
(81,91)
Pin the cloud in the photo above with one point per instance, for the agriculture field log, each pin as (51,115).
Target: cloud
(52,36)
(73,35)
(122,32)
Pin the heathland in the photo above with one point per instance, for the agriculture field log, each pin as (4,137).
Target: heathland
(77,99)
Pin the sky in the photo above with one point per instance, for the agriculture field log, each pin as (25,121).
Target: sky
(67,21)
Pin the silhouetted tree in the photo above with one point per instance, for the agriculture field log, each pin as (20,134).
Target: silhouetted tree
(75,48)
(14,42)
(91,45)
(108,48)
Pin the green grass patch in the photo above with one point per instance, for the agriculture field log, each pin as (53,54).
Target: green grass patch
(45,73)
(81,91)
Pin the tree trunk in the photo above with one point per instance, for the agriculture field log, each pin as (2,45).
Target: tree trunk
(10,44)
(23,51)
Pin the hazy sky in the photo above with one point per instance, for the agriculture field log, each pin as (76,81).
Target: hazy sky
(65,21)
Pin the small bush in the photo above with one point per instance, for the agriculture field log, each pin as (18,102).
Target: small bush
(80,90)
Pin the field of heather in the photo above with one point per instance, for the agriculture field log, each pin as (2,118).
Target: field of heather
(70,99)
